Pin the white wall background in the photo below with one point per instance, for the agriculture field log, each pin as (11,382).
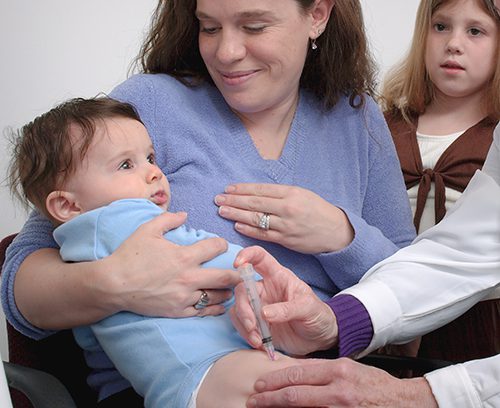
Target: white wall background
(51,50)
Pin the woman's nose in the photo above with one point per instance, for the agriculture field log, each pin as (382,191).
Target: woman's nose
(231,47)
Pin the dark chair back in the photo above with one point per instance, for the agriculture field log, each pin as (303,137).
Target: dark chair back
(58,355)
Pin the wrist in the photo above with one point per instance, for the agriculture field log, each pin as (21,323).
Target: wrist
(107,284)
(329,335)
(418,393)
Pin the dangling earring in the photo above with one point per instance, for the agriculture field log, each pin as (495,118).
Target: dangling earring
(314,46)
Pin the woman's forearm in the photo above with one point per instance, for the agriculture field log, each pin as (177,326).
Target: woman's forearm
(52,294)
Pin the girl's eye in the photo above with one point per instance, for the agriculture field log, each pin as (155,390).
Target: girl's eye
(126,165)
(475,31)
(439,27)
(151,159)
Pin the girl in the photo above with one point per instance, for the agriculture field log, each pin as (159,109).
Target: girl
(442,104)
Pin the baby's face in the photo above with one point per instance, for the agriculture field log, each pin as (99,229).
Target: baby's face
(120,163)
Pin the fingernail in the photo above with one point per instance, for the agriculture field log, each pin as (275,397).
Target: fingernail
(252,402)
(220,199)
(268,313)
(223,211)
(255,339)
(260,386)
(247,324)
(230,189)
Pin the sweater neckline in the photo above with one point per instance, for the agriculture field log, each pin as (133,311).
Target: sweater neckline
(280,168)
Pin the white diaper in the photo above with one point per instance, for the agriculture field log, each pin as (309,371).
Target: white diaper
(194,395)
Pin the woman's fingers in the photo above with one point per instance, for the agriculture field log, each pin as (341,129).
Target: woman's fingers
(258,189)
(205,250)
(251,218)
(164,222)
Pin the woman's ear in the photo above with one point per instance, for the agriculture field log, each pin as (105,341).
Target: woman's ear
(62,206)
(320,14)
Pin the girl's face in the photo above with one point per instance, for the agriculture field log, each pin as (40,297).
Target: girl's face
(461,49)
(254,50)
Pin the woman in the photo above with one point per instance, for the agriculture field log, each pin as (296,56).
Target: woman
(274,92)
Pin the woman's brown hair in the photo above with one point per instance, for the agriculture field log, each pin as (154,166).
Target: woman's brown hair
(342,64)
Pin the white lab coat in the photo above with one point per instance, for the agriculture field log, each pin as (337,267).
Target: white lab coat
(447,269)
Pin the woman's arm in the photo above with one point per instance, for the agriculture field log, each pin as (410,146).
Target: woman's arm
(146,275)
(385,223)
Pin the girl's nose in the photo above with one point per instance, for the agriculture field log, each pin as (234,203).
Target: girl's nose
(454,45)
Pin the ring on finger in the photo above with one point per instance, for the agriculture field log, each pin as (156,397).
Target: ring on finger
(202,301)
(264,221)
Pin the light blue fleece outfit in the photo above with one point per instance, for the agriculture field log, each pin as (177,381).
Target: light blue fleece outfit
(345,155)
(164,359)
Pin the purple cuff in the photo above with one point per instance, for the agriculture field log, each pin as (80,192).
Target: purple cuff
(354,323)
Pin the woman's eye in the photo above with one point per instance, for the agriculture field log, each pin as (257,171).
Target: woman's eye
(126,165)
(255,28)
(151,159)
(209,30)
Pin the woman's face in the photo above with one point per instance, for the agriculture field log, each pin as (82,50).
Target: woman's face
(254,50)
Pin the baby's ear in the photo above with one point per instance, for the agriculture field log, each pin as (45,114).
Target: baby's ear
(62,206)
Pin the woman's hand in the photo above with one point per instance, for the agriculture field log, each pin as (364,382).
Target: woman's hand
(152,276)
(299,219)
(299,321)
(339,383)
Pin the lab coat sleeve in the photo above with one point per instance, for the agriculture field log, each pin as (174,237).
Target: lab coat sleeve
(447,269)
(469,385)
(492,164)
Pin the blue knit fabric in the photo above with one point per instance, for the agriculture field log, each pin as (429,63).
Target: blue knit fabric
(345,155)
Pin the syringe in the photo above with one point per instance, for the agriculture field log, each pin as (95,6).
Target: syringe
(247,273)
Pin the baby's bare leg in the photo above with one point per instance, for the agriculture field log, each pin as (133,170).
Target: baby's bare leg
(230,381)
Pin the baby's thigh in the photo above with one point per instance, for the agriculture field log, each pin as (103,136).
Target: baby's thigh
(230,381)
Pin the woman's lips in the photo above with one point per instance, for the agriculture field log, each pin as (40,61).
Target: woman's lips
(236,78)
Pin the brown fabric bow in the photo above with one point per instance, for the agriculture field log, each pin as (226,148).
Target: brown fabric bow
(454,168)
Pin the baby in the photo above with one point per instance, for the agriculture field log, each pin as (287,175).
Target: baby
(89,165)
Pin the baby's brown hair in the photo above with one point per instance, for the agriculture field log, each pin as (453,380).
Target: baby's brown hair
(47,150)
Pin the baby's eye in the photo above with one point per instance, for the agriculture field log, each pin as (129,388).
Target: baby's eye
(152,159)
(126,165)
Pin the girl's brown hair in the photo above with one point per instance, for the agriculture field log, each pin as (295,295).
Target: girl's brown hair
(407,89)
(342,64)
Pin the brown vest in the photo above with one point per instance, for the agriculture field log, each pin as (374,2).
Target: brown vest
(454,168)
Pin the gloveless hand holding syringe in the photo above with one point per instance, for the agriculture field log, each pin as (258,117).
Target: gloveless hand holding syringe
(247,273)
